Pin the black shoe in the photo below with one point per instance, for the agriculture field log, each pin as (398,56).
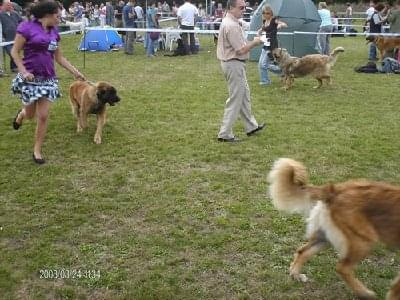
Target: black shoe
(39,161)
(260,127)
(229,140)
(16,125)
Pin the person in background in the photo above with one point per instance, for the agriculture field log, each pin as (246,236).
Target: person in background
(375,27)
(187,13)
(139,16)
(349,15)
(255,6)
(78,12)
(270,28)
(325,29)
(212,8)
(118,15)
(335,21)
(96,15)
(371,9)
(36,81)
(202,13)
(17,8)
(64,14)
(110,14)
(150,23)
(233,51)
(219,12)
(166,9)
(9,20)
(129,17)
(174,9)
(394,18)
(1,61)
(102,15)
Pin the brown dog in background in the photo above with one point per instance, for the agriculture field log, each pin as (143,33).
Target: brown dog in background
(87,98)
(316,65)
(385,44)
(352,216)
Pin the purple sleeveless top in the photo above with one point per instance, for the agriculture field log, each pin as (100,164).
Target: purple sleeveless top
(39,48)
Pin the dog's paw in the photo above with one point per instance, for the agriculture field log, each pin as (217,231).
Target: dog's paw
(299,277)
(367,295)
(97,139)
(79,129)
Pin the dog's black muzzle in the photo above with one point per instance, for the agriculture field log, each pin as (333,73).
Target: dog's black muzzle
(114,100)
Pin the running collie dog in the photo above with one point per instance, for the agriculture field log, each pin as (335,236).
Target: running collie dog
(352,216)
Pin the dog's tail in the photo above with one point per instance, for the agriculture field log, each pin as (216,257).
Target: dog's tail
(289,189)
(73,101)
(334,54)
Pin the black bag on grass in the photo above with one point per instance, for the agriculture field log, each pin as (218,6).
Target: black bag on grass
(370,67)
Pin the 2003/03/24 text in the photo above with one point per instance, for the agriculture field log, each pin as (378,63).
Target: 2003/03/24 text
(69,274)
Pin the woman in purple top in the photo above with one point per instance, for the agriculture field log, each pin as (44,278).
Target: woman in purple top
(36,81)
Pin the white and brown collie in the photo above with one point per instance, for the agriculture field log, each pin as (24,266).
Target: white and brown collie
(352,216)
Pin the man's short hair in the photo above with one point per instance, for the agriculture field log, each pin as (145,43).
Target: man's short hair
(231,4)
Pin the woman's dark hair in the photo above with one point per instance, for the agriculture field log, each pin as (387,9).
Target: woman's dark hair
(43,8)
(379,7)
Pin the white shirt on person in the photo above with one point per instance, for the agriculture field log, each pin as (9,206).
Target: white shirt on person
(369,12)
(139,12)
(187,12)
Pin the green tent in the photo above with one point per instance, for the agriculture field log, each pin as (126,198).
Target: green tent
(299,15)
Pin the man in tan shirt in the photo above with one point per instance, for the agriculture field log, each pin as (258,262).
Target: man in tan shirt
(233,50)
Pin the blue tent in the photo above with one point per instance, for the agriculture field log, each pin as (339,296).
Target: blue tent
(100,39)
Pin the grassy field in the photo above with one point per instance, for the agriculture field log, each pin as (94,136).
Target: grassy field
(161,210)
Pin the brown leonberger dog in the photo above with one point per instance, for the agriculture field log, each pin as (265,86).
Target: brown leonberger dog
(352,216)
(385,44)
(91,98)
(316,65)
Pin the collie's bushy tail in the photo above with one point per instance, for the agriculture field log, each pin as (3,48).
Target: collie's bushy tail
(334,55)
(289,189)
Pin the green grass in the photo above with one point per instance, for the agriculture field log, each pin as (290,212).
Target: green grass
(162,209)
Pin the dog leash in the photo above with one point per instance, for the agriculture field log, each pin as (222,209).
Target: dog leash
(90,82)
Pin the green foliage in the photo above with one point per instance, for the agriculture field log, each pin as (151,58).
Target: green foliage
(164,211)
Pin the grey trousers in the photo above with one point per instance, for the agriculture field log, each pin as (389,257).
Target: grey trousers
(238,102)
(129,39)
(324,40)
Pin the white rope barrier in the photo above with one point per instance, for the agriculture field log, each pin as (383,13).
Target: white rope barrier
(203,31)
(351,18)
(2,44)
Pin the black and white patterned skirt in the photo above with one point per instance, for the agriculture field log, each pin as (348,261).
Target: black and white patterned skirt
(30,91)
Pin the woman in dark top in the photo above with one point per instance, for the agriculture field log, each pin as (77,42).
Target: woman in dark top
(269,32)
